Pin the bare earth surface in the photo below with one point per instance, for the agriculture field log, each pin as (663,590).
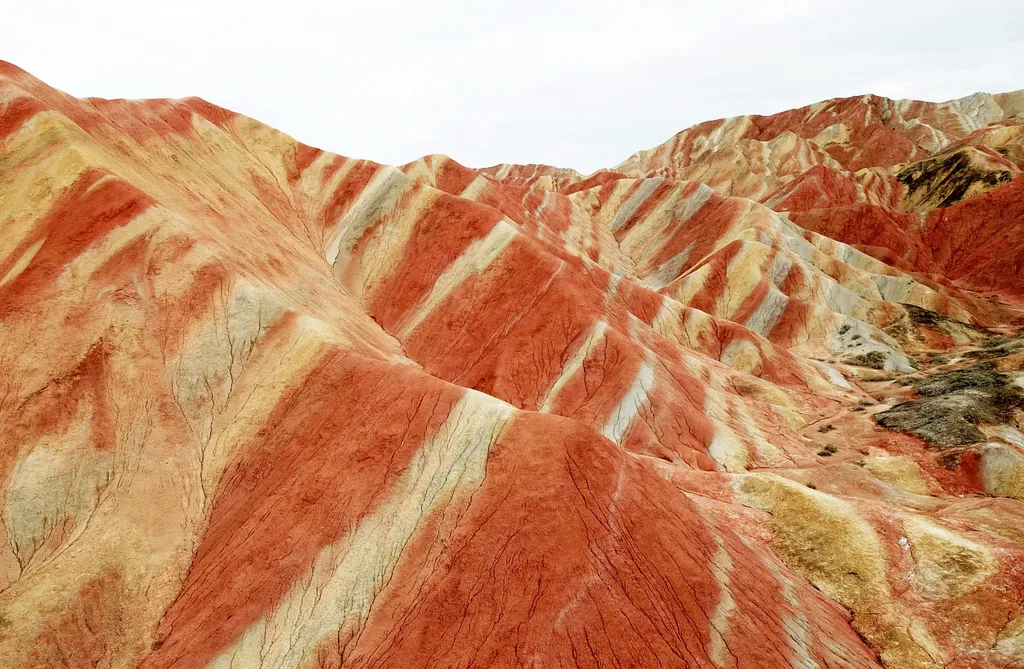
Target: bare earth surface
(751,398)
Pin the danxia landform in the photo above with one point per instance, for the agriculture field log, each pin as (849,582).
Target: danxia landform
(751,398)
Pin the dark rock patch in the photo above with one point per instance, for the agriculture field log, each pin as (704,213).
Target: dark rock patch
(946,179)
(953,404)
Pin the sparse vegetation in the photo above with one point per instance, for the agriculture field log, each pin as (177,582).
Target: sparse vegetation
(951,460)
(871,359)
(953,404)
(997,347)
(827,427)
(979,376)
(921,316)
(995,342)
(828,450)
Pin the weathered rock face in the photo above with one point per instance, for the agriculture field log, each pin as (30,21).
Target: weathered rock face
(266,406)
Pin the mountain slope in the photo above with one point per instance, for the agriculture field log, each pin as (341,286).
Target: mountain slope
(267,406)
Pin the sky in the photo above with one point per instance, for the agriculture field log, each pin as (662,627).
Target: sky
(572,84)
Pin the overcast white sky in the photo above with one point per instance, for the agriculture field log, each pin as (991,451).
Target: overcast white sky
(574,84)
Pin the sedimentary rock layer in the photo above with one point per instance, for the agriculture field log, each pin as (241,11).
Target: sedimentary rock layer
(268,406)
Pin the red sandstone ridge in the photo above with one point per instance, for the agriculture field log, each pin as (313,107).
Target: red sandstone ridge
(751,399)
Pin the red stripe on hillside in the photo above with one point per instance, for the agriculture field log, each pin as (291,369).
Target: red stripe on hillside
(441,235)
(80,218)
(327,456)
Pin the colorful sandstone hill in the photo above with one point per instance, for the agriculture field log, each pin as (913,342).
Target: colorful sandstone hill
(751,398)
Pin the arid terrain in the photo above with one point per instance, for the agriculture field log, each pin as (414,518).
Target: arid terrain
(751,398)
